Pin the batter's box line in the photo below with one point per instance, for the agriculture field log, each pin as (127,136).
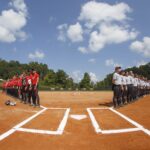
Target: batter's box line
(11,131)
(18,126)
(120,130)
(39,131)
(99,130)
(60,129)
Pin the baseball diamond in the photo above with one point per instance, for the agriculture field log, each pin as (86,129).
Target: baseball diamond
(74,75)
(53,126)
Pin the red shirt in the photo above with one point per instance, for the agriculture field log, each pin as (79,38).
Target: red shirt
(15,82)
(11,83)
(20,82)
(29,80)
(8,84)
(35,78)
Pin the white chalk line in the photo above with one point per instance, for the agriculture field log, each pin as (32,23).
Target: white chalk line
(120,131)
(64,121)
(99,130)
(132,122)
(59,131)
(11,131)
(38,131)
(94,122)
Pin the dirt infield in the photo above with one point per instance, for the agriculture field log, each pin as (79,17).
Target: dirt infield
(75,120)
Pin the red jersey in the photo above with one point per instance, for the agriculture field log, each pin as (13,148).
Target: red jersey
(10,83)
(20,82)
(24,81)
(15,82)
(35,78)
(29,80)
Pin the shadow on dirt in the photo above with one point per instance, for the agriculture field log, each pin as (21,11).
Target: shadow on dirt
(108,104)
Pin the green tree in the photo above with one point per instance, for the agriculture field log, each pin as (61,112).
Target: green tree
(69,83)
(50,78)
(85,82)
(61,79)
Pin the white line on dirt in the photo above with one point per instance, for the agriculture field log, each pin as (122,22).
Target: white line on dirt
(39,131)
(11,131)
(59,131)
(132,121)
(29,119)
(78,117)
(120,130)
(64,121)
(98,130)
(94,122)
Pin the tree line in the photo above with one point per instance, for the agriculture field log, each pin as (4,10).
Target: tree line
(60,80)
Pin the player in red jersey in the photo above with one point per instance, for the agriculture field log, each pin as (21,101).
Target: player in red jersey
(19,87)
(24,87)
(29,88)
(35,82)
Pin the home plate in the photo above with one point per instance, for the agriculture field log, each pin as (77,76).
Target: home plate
(78,117)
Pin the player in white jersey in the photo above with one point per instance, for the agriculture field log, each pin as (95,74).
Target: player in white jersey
(116,81)
(130,86)
(123,87)
(135,87)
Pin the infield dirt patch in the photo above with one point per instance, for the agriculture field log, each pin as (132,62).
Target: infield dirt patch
(77,134)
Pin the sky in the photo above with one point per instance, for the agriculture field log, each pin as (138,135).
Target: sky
(76,35)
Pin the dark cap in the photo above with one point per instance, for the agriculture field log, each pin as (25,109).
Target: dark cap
(118,67)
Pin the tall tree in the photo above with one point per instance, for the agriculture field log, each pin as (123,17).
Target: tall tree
(86,82)
(50,78)
(61,79)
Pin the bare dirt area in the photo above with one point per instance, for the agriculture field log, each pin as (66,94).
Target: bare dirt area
(12,115)
(75,120)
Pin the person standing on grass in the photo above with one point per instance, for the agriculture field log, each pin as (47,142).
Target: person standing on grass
(35,85)
(116,80)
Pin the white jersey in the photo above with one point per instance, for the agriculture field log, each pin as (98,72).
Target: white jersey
(124,82)
(117,79)
(128,80)
(135,82)
(131,80)
(138,82)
